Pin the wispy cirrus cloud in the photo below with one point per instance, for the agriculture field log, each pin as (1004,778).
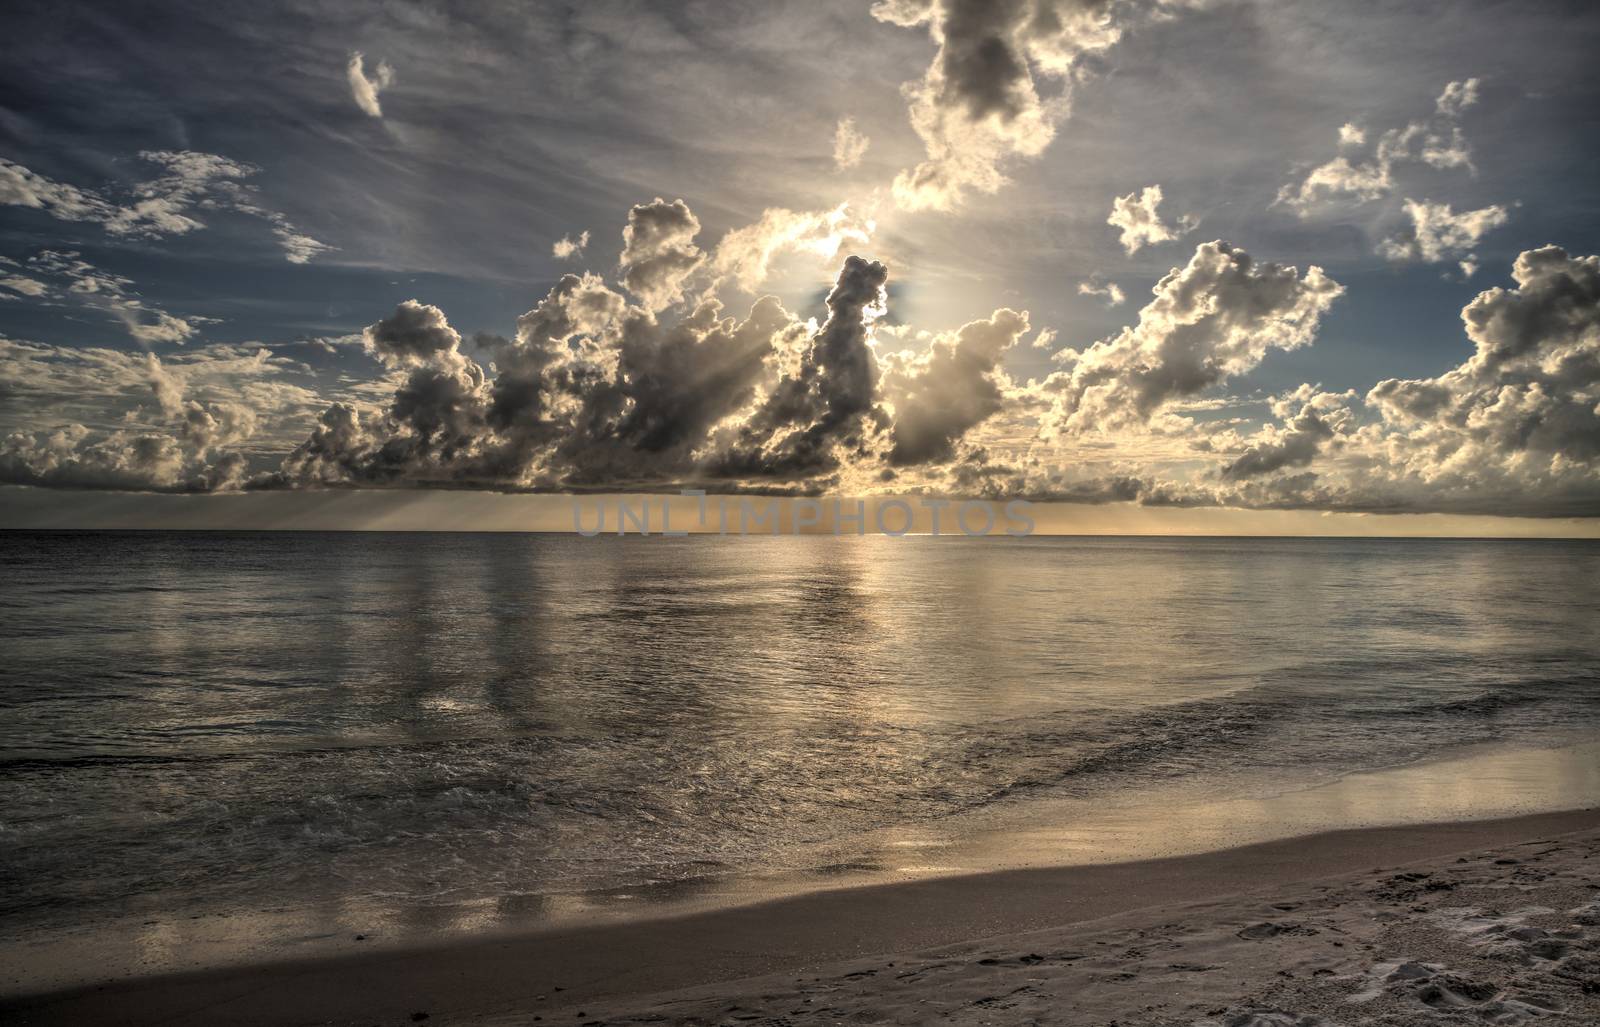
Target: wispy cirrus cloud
(65,277)
(849,144)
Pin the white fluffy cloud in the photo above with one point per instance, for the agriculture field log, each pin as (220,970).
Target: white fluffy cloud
(20,187)
(1137,218)
(1519,422)
(25,286)
(1214,319)
(1436,233)
(1350,176)
(566,247)
(978,107)
(1514,429)
(658,251)
(1110,292)
(942,393)
(135,422)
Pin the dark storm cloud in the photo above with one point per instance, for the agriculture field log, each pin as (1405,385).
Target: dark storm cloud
(673,385)
(981,67)
(593,393)
(827,401)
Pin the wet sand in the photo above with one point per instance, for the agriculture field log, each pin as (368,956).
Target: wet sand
(1498,920)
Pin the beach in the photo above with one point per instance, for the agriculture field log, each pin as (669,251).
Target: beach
(1478,921)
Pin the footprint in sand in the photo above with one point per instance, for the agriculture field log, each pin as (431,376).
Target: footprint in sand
(1268,929)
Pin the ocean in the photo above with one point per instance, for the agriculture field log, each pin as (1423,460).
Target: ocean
(378,725)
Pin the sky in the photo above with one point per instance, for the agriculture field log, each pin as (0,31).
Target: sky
(1229,266)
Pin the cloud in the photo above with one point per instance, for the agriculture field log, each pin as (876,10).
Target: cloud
(198,454)
(211,426)
(164,385)
(20,187)
(592,392)
(566,247)
(849,145)
(671,390)
(85,383)
(1457,97)
(24,285)
(978,108)
(1137,218)
(1211,320)
(68,458)
(1513,430)
(658,251)
(414,335)
(297,248)
(1320,417)
(157,207)
(187,183)
(952,387)
(364,89)
(109,390)
(1437,142)
(824,403)
(79,282)
(589,392)
(1436,233)
(1521,417)
(1110,292)
(745,255)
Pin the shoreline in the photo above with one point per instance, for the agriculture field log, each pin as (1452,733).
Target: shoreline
(1478,782)
(616,966)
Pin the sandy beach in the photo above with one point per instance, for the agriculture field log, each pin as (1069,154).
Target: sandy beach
(1484,921)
